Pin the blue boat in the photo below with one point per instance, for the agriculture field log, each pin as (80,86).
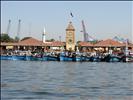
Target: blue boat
(77,58)
(19,57)
(51,58)
(13,57)
(28,58)
(95,59)
(112,58)
(36,58)
(64,57)
(85,58)
(6,57)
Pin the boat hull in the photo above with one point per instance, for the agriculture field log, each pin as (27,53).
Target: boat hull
(66,58)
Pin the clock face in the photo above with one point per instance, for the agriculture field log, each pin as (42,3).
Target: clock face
(69,41)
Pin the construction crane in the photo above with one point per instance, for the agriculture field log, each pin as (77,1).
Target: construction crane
(87,37)
(8,27)
(18,30)
(84,32)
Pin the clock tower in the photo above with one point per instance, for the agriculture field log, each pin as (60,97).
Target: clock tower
(70,37)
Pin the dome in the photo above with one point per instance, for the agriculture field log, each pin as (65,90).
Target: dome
(70,26)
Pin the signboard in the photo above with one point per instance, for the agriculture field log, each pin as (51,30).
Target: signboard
(9,47)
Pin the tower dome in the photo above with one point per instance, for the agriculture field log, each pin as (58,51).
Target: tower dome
(70,27)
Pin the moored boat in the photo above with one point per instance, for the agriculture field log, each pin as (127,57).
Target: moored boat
(6,57)
(13,57)
(65,57)
(112,58)
(127,59)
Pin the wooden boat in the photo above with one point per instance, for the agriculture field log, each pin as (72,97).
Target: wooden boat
(112,58)
(6,57)
(51,58)
(64,57)
(13,57)
(95,59)
(127,58)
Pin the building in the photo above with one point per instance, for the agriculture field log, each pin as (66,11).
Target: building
(85,46)
(32,44)
(70,37)
(109,46)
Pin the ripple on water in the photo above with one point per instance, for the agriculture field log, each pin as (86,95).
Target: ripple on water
(66,81)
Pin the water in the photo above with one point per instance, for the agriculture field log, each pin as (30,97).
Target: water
(35,80)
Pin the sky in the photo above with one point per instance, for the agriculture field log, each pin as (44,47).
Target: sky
(103,19)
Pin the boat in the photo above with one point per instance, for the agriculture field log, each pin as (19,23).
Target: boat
(6,57)
(51,56)
(112,58)
(128,58)
(13,57)
(66,57)
(76,56)
(95,59)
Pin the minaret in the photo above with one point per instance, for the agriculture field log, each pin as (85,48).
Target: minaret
(43,36)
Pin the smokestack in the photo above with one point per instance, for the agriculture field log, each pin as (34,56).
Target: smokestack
(44,36)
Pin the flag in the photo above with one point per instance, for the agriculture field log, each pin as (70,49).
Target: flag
(71,14)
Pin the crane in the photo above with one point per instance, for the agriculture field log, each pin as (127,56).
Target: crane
(87,37)
(8,27)
(18,30)
(84,32)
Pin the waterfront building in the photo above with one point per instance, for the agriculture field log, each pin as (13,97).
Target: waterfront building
(32,44)
(70,37)
(57,46)
(109,46)
(85,46)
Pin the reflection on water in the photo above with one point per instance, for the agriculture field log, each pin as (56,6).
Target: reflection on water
(66,80)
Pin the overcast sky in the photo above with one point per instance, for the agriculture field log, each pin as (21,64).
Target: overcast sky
(103,19)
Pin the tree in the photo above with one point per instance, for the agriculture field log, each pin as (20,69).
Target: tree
(94,41)
(6,38)
(51,40)
(16,39)
(78,42)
